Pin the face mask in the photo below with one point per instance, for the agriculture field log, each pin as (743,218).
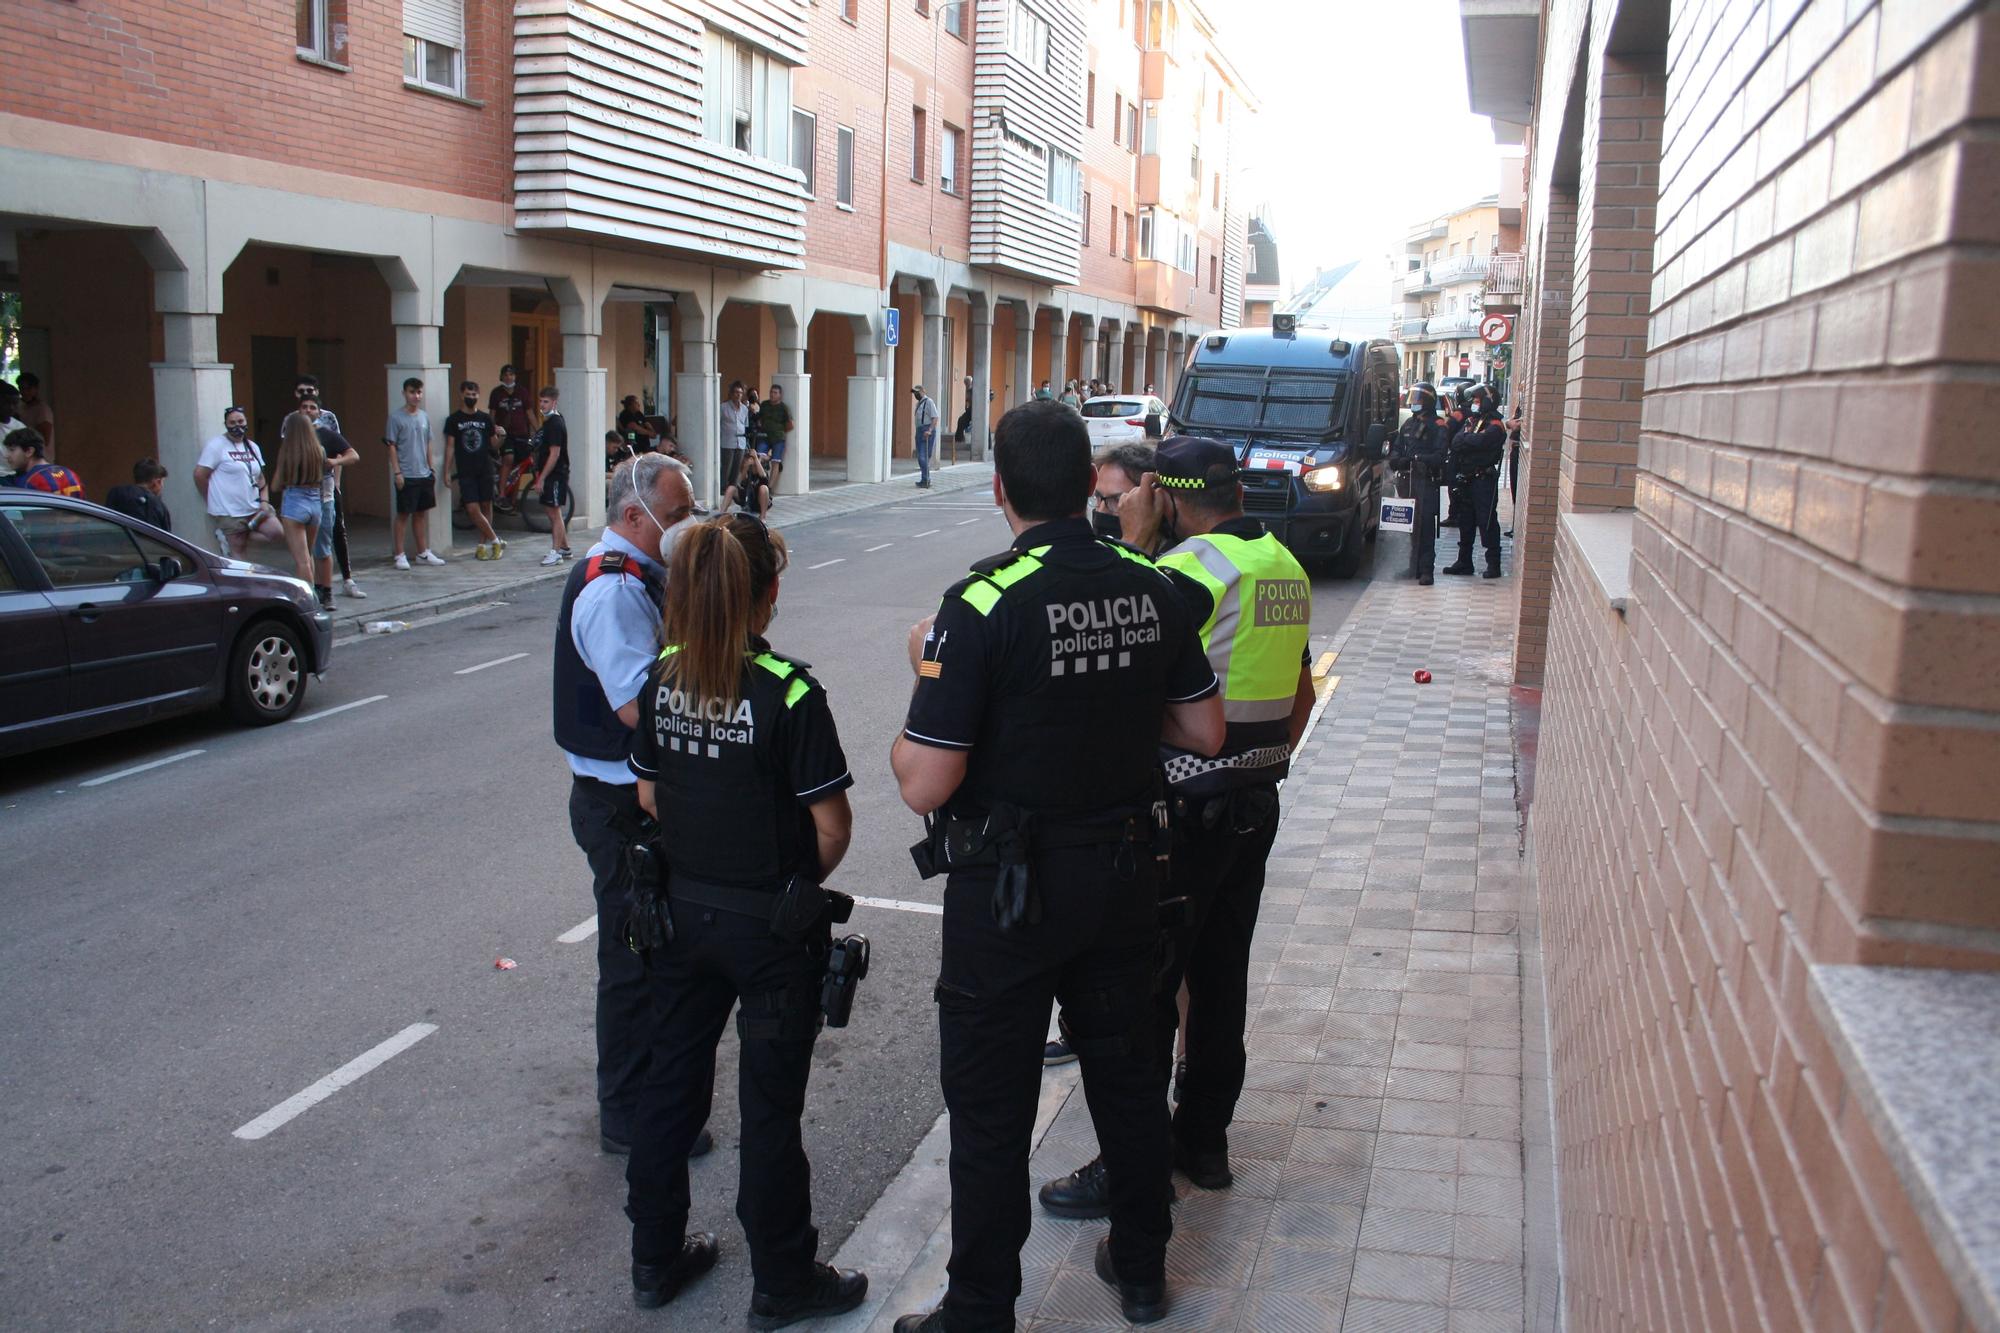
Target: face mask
(472,400)
(238,432)
(1105,525)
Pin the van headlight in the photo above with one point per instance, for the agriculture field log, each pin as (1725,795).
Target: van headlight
(1324,478)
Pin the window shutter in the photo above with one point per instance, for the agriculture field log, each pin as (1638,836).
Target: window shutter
(440,21)
(745,77)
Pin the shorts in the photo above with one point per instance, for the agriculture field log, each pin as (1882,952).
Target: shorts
(323,539)
(300,504)
(776,449)
(416,495)
(476,487)
(227,526)
(555,492)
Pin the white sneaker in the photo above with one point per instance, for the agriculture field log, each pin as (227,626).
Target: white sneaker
(353,589)
(553,558)
(402,562)
(430,557)
(499,548)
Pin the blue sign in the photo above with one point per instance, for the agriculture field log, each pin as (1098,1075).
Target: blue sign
(892,327)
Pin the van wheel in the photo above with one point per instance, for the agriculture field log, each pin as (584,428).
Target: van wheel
(1346,561)
(267,674)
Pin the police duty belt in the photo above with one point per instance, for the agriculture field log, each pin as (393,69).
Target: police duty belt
(1183,768)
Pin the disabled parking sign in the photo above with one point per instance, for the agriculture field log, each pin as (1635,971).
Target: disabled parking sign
(892,327)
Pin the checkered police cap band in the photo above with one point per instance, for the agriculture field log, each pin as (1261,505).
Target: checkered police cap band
(1184,483)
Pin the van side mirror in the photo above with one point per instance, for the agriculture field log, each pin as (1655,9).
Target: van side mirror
(166,569)
(1378,438)
(1156,426)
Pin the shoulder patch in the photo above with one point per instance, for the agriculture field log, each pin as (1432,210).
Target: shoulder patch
(996,562)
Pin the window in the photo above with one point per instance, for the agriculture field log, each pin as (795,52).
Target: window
(847,9)
(1216,202)
(1114,231)
(79,550)
(433,44)
(1218,106)
(1065,181)
(746,98)
(918,134)
(1028,36)
(1211,273)
(1086,219)
(924,8)
(1090,98)
(1129,229)
(1132,126)
(322,30)
(948,140)
(805,145)
(1117,117)
(843,167)
(954,17)
(1149,141)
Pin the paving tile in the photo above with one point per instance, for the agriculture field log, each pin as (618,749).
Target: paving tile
(1201,1308)
(1323,1225)
(1431,1191)
(1210,1259)
(1269,1108)
(1321,1270)
(1417,1152)
(1348,1080)
(1080,1296)
(1494,1239)
(1481,1285)
(1323,1182)
(1334,1112)
(1388,1275)
(1407,1230)
(1489,1196)
(1359,1027)
(1292,1312)
(1347,1147)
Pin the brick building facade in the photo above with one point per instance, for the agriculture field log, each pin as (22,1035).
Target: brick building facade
(651,198)
(1758,540)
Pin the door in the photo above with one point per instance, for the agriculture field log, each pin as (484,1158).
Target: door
(274,369)
(132,639)
(34,665)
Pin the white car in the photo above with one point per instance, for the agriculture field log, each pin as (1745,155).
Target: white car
(1121,418)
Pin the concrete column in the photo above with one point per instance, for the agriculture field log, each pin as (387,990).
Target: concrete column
(1156,364)
(417,356)
(1024,356)
(698,399)
(868,412)
(980,354)
(791,377)
(1058,354)
(1114,366)
(582,382)
(190,390)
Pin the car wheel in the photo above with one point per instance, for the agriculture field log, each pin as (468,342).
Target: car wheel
(267,674)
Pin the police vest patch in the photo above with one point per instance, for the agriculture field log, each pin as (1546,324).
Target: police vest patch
(1282,602)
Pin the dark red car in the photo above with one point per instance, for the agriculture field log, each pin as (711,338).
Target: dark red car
(107,622)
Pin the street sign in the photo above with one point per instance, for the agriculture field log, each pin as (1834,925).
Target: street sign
(1495,329)
(892,327)
(1464,361)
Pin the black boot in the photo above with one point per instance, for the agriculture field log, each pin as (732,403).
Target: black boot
(1140,1302)
(653,1285)
(832,1291)
(1424,580)
(1083,1193)
(1492,572)
(1210,1170)
(932,1322)
(1463,566)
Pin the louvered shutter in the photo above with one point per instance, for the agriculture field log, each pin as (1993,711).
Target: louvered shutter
(440,21)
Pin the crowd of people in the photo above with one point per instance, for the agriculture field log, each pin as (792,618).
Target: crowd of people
(1072,873)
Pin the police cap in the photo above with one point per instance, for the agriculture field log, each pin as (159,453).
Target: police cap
(1195,463)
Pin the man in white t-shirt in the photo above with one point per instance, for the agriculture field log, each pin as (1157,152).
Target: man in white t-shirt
(230,476)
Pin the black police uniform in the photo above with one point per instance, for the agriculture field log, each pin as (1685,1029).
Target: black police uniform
(717,773)
(1420,447)
(1063,637)
(1476,453)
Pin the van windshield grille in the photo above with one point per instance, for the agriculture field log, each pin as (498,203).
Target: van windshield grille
(1276,402)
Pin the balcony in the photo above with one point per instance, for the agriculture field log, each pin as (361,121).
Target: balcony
(1417,282)
(1412,331)
(1164,288)
(608,137)
(1458,325)
(1506,278)
(1152,75)
(1434,230)
(1458,269)
(1503,41)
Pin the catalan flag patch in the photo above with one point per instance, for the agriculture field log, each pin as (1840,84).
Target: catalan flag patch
(930,670)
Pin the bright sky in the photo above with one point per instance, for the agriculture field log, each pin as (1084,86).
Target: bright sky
(1364,127)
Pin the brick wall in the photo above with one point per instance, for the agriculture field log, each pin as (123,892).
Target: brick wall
(844,86)
(227,78)
(1546,339)
(1784,753)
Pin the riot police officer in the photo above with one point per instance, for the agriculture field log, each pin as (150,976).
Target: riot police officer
(730,734)
(1051,855)
(1253,602)
(1476,453)
(1419,452)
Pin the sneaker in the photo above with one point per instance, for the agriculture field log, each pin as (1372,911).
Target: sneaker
(1083,1193)
(480,552)
(353,589)
(430,557)
(1058,1053)
(831,1291)
(402,561)
(555,557)
(499,548)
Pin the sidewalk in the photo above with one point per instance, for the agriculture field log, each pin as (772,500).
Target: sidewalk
(1379,1146)
(395,594)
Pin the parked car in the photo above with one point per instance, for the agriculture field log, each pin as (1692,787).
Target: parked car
(1121,418)
(107,622)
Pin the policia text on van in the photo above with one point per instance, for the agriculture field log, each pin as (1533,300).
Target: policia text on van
(1309,416)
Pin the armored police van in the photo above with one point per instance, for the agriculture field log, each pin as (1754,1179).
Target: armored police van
(1309,415)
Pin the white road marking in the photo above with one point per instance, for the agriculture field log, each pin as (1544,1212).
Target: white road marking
(579,932)
(824,563)
(498,661)
(140,768)
(963,521)
(304,1101)
(931,533)
(902,905)
(873,549)
(341,708)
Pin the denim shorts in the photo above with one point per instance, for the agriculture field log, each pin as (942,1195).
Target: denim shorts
(323,539)
(300,504)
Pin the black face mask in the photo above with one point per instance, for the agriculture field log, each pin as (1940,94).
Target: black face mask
(1106,525)
(472,400)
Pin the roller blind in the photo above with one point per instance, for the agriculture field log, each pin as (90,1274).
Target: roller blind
(440,21)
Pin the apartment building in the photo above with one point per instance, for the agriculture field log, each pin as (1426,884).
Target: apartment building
(1439,288)
(1756,567)
(649,197)
(1263,280)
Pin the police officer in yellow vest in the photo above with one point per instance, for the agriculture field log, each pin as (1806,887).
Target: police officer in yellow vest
(1253,603)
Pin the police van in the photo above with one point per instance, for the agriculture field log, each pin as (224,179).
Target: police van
(1309,415)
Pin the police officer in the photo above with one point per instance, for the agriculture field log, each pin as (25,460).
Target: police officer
(1476,453)
(607,635)
(1419,452)
(1050,851)
(738,758)
(1253,602)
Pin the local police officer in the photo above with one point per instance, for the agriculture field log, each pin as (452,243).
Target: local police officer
(1476,453)
(738,758)
(1253,602)
(607,636)
(1419,451)
(1050,849)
